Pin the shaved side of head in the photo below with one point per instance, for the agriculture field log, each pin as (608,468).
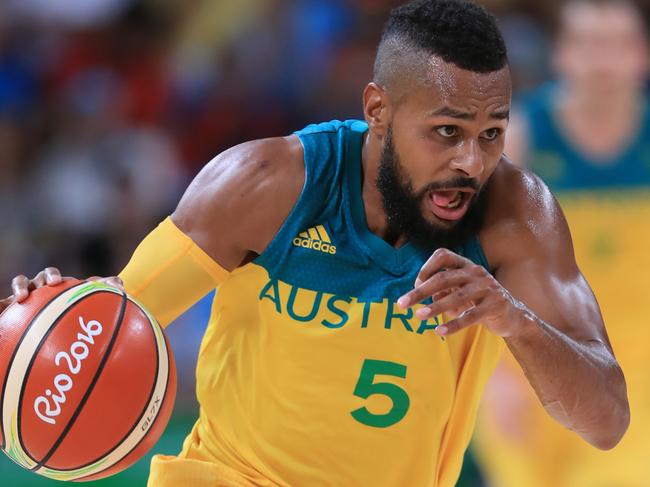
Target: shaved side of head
(419,34)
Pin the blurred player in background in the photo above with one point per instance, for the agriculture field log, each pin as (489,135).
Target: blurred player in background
(369,273)
(588,136)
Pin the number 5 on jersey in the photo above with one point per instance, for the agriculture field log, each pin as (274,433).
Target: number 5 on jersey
(366,387)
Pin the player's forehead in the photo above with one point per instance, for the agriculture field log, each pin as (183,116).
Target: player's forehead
(614,19)
(445,84)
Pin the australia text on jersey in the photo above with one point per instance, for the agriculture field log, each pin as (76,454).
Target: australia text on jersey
(334,311)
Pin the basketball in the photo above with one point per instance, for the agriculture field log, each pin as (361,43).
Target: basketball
(87,381)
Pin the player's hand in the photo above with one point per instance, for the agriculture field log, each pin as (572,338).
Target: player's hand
(21,285)
(464,291)
(111,281)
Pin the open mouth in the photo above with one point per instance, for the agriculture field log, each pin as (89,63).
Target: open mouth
(450,204)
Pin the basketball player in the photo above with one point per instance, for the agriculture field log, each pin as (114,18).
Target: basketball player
(588,136)
(368,276)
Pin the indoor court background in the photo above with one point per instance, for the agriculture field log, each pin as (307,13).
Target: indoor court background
(109,107)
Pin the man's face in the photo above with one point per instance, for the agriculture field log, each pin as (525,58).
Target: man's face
(445,139)
(602,48)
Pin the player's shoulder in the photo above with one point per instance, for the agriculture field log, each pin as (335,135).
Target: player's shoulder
(249,173)
(257,158)
(521,210)
(239,200)
(518,194)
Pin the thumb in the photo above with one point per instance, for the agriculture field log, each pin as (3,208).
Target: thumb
(115,282)
(110,281)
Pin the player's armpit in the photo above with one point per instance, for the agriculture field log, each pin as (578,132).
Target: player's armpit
(168,273)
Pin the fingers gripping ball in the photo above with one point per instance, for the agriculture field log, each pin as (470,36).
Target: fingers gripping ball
(87,381)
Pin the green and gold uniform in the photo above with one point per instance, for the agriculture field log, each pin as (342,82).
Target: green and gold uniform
(309,373)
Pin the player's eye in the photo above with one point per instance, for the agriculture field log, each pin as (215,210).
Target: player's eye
(491,134)
(447,131)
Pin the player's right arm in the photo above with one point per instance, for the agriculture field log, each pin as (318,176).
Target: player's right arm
(227,216)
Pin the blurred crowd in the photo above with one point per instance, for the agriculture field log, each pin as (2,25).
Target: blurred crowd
(109,107)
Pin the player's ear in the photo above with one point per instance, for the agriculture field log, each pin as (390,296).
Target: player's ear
(376,109)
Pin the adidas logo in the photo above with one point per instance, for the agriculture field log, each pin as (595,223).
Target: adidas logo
(316,238)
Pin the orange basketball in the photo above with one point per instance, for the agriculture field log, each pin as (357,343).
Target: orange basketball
(87,381)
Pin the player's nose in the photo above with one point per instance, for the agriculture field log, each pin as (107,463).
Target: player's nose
(468,159)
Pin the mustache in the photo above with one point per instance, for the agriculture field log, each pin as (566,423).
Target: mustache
(454,183)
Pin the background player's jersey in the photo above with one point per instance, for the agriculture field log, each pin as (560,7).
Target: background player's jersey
(607,206)
(565,168)
(310,374)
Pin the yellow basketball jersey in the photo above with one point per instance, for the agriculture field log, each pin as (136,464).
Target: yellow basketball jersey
(309,373)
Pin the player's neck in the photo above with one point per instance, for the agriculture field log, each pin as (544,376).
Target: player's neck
(372,199)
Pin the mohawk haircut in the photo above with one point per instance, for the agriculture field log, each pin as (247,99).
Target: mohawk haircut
(457,31)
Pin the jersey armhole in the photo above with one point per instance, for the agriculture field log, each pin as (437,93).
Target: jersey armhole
(272,254)
(480,257)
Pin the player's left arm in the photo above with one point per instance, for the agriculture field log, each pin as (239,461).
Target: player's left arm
(539,302)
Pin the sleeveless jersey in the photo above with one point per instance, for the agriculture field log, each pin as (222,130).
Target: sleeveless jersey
(564,168)
(607,206)
(309,374)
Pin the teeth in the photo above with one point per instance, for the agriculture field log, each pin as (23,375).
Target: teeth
(455,203)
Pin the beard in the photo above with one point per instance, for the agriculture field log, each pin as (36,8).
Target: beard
(403,206)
